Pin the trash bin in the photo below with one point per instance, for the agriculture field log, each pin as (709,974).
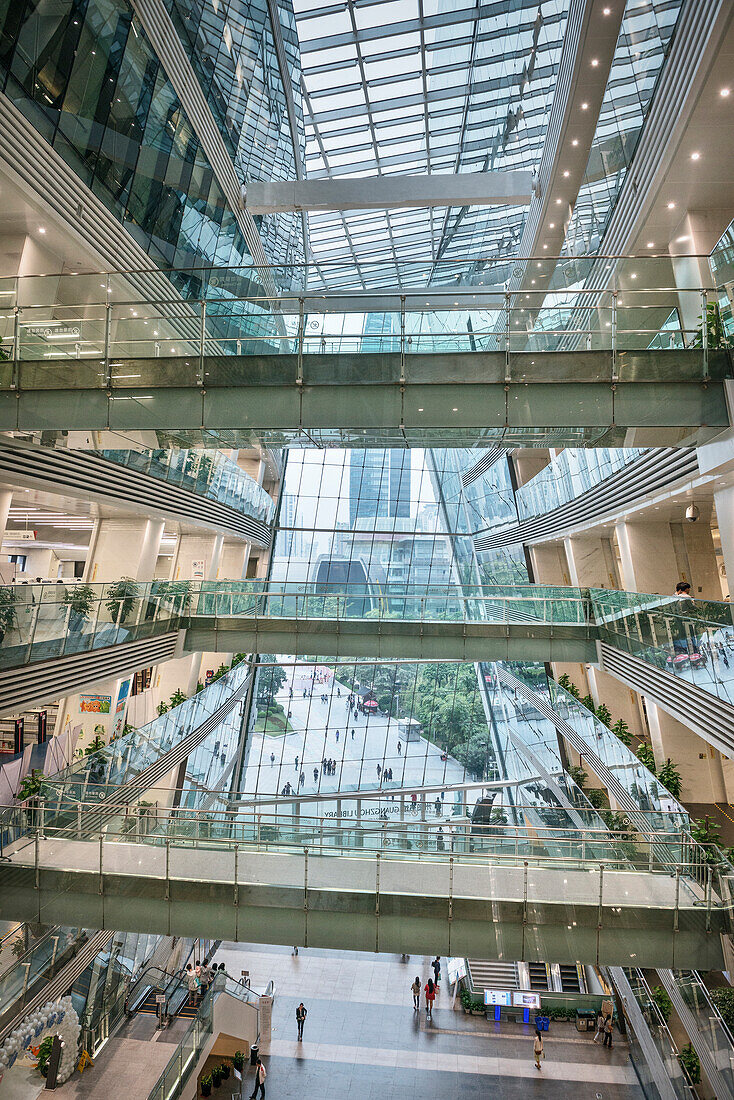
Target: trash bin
(254,1052)
(542,1023)
(585,1020)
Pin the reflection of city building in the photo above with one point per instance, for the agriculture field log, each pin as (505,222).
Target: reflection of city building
(379,484)
(293,541)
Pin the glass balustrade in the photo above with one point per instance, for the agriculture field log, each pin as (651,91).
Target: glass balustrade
(691,639)
(663,1041)
(638,308)
(713,1031)
(569,475)
(206,473)
(20,981)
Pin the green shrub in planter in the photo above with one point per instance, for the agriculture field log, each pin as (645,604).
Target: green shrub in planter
(238,1059)
(44,1053)
(224,1071)
(217,1076)
(689,1060)
(206,1085)
(465,998)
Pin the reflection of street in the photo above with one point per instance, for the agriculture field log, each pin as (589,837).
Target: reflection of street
(361,747)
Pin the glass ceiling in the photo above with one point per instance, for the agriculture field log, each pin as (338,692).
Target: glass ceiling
(416,86)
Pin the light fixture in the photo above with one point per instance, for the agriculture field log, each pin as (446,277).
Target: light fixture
(725,93)
(695,156)
(594,62)
(539,265)
(651,244)
(633,275)
(41,229)
(551,225)
(420,410)
(455,410)
(532,282)
(575,141)
(558,202)
(671,206)
(584,106)
(545,246)
(566,174)
(607,11)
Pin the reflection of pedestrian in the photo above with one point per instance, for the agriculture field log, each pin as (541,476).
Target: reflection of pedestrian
(316,775)
(400,748)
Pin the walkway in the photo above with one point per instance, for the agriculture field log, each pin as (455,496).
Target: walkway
(362,1037)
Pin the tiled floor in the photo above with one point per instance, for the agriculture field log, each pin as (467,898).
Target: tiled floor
(363,1038)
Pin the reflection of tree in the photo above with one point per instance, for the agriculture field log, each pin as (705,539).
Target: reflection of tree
(269,680)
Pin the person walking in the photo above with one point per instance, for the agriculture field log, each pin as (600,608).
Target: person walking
(260,1075)
(538,1049)
(608,1032)
(400,748)
(599,1027)
(416,991)
(316,775)
(301,1014)
(272,759)
(430,991)
(192,984)
(436,964)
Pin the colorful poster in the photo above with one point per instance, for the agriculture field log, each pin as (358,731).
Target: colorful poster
(95,704)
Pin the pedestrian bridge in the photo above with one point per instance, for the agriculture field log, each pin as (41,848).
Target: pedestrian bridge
(645,898)
(682,655)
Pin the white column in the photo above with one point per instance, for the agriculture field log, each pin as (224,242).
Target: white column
(650,563)
(591,565)
(724,503)
(124,548)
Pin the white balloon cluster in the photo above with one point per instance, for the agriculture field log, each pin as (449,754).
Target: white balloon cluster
(58,1017)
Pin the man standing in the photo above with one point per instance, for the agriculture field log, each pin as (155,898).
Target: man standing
(301,1014)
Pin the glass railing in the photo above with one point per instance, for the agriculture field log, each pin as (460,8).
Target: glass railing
(637,781)
(186,1056)
(692,639)
(663,1040)
(570,474)
(206,473)
(39,962)
(628,846)
(637,306)
(44,621)
(712,1029)
(94,777)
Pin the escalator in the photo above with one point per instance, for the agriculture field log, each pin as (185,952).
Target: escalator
(538,976)
(571,978)
(153,983)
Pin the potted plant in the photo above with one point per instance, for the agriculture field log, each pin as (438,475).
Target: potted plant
(121,599)
(206,1085)
(44,1053)
(217,1076)
(177,698)
(238,1059)
(224,1071)
(7,611)
(465,998)
(80,599)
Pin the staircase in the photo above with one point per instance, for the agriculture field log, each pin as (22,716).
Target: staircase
(539,976)
(492,974)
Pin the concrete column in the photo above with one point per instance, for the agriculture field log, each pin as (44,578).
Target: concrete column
(124,548)
(695,236)
(591,564)
(551,567)
(724,503)
(651,562)
(528,462)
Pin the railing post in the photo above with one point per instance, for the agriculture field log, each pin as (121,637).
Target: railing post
(402,339)
(705,333)
(615,376)
(15,384)
(507,337)
(107,330)
(708,897)
(202,341)
(299,342)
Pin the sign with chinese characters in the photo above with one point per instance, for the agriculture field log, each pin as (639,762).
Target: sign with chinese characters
(522,999)
(502,997)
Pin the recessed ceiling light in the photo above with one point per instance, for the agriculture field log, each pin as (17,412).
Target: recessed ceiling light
(545,246)
(695,156)
(584,106)
(41,229)
(671,206)
(575,141)
(594,62)
(540,265)
(725,93)
(633,275)
(558,202)
(532,282)
(455,410)
(551,225)
(651,244)
(607,11)
(567,174)
(420,410)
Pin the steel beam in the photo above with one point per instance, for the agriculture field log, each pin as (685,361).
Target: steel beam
(391,192)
